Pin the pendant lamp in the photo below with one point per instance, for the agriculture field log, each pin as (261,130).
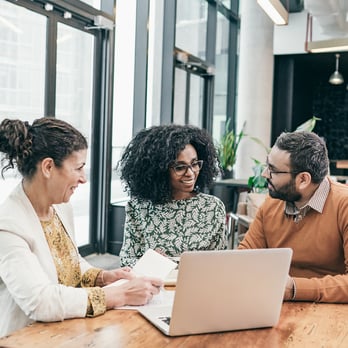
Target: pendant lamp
(336,78)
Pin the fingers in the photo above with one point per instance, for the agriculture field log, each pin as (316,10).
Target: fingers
(127,274)
(155,282)
(161,252)
(126,269)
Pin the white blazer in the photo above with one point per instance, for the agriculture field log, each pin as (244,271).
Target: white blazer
(29,289)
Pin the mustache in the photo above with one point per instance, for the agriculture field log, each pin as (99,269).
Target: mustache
(269,182)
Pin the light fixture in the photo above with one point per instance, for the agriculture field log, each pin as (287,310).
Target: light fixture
(322,46)
(48,7)
(336,77)
(275,10)
(67,15)
(331,45)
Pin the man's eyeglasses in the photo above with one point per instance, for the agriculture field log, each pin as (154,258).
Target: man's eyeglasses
(181,169)
(270,172)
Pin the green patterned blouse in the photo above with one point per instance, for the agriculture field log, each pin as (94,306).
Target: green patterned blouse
(197,223)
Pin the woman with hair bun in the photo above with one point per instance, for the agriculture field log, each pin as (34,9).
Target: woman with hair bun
(42,275)
(165,169)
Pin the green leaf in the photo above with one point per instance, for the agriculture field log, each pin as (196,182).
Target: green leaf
(308,126)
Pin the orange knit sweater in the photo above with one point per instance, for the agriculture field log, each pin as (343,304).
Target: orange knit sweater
(319,243)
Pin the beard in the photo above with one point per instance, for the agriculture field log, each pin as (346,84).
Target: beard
(286,193)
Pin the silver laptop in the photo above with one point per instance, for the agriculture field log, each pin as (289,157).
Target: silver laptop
(223,291)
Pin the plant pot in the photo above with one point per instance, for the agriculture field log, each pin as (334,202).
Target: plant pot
(254,201)
(227,174)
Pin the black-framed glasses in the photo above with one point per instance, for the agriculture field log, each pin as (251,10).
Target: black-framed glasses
(270,172)
(181,169)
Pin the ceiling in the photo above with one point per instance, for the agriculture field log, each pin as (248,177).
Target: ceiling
(330,15)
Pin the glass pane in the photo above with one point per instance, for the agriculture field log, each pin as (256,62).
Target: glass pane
(122,131)
(179,96)
(191,26)
(22,70)
(221,74)
(94,3)
(106,6)
(226,3)
(196,100)
(74,105)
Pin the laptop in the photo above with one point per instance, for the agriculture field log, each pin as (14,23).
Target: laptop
(223,291)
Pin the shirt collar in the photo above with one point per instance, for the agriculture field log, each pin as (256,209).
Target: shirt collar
(316,202)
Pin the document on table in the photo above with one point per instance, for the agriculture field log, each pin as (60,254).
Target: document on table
(153,264)
(164,298)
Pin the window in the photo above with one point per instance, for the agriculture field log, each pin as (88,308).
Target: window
(22,71)
(74,105)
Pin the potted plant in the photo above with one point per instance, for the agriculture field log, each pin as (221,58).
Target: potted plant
(227,149)
(257,182)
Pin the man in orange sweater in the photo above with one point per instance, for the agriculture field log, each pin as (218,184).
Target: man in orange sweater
(307,212)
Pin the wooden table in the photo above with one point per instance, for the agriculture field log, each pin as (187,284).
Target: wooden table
(300,325)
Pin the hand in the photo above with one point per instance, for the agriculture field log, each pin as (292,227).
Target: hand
(160,252)
(108,277)
(289,289)
(136,292)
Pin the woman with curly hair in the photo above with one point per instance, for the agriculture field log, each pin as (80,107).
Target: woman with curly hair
(165,168)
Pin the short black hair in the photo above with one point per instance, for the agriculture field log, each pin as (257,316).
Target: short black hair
(308,153)
(145,163)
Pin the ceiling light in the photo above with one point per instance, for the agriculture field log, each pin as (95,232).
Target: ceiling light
(332,45)
(336,77)
(275,10)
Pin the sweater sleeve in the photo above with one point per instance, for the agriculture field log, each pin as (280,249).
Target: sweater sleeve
(327,289)
(255,237)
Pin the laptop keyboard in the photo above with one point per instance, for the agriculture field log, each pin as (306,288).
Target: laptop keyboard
(165,319)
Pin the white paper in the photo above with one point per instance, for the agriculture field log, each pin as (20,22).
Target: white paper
(151,264)
(164,298)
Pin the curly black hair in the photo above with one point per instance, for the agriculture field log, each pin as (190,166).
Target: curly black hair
(144,165)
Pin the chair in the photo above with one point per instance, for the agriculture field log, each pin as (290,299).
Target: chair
(231,223)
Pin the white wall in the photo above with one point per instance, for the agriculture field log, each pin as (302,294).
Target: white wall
(255,84)
(291,38)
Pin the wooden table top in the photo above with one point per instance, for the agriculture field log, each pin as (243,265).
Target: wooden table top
(300,325)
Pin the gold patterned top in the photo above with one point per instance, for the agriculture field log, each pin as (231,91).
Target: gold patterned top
(66,260)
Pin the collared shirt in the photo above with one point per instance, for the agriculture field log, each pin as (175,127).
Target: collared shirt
(316,202)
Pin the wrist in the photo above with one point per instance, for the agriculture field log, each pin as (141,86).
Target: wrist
(100,280)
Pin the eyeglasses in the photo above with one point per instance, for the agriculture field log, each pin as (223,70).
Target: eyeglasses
(271,172)
(181,169)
